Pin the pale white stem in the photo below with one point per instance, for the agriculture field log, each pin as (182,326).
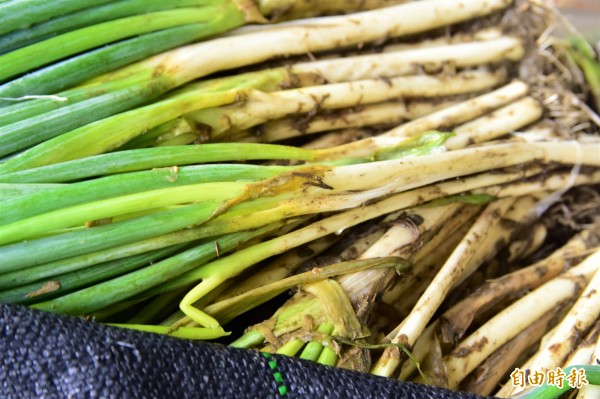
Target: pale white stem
(445,118)
(260,107)
(592,391)
(521,249)
(508,388)
(419,171)
(389,113)
(497,124)
(399,240)
(485,378)
(450,273)
(456,320)
(552,182)
(408,62)
(589,392)
(429,259)
(319,34)
(464,111)
(569,151)
(344,220)
(584,354)
(515,318)
(522,211)
(579,319)
(419,352)
(480,35)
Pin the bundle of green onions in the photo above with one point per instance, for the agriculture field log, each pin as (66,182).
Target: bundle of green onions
(396,194)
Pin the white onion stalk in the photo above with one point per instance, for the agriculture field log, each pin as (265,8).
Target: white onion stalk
(419,352)
(388,113)
(458,37)
(246,257)
(428,260)
(412,326)
(503,121)
(313,35)
(456,320)
(409,62)
(464,111)
(399,240)
(579,319)
(378,178)
(585,351)
(512,320)
(524,211)
(258,107)
(485,378)
(592,391)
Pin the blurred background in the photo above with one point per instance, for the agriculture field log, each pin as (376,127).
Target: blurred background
(585,15)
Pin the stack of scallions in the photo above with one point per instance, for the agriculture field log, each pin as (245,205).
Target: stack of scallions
(407,188)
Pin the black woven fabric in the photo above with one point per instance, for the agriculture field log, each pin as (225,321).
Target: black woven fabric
(50,356)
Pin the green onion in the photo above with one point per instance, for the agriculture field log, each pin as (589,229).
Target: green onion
(89,16)
(69,282)
(20,14)
(112,291)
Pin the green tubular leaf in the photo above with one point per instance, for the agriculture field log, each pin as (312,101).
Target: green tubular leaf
(47,51)
(313,349)
(10,191)
(328,357)
(152,310)
(28,132)
(291,347)
(93,139)
(174,128)
(112,291)
(267,80)
(28,253)
(56,196)
(79,214)
(80,278)
(77,69)
(583,54)
(248,340)
(227,309)
(190,277)
(22,110)
(89,16)
(195,333)
(48,270)
(65,74)
(148,158)
(20,14)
